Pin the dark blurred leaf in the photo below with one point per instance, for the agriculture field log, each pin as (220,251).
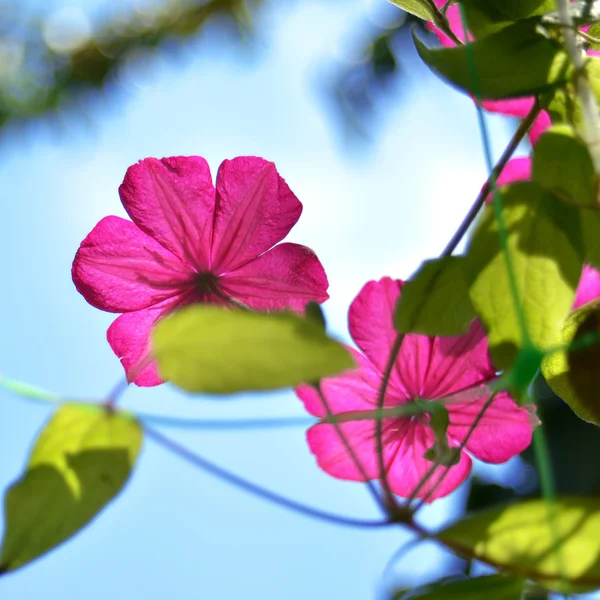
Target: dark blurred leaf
(491,587)
(486,495)
(50,78)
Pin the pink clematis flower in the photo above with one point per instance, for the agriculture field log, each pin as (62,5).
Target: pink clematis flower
(189,242)
(427,368)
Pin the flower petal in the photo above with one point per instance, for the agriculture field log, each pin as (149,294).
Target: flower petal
(517,169)
(370,321)
(588,289)
(405,443)
(119,268)
(409,467)
(332,453)
(173,201)
(432,367)
(288,275)
(129,337)
(255,209)
(503,431)
(352,390)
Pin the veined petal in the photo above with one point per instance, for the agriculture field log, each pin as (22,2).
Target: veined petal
(332,453)
(432,367)
(588,289)
(173,201)
(118,268)
(502,432)
(409,467)
(370,321)
(350,391)
(129,337)
(404,445)
(255,209)
(288,275)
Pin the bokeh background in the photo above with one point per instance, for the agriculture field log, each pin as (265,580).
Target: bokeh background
(385,159)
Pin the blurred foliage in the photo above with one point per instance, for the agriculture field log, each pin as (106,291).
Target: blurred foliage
(46,64)
(52,62)
(357,88)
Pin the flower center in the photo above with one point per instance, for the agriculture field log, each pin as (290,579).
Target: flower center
(207,283)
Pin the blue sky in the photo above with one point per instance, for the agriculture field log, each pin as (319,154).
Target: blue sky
(370,211)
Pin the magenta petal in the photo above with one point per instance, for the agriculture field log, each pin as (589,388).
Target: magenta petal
(517,169)
(255,209)
(129,337)
(435,367)
(332,454)
(455,22)
(503,431)
(539,126)
(353,390)
(173,201)
(370,321)
(289,275)
(405,443)
(119,268)
(409,467)
(588,289)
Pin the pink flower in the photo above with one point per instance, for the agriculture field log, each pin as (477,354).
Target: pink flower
(588,289)
(189,242)
(427,368)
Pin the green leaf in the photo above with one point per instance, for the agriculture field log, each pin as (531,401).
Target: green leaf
(594,32)
(591,236)
(485,17)
(572,372)
(490,587)
(435,301)
(419,8)
(564,104)
(514,62)
(556,545)
(563,165)
(210,349)
(81,460)
(544,246)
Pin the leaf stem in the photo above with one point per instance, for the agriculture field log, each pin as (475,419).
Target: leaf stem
(441,22)
(490,183)
(589,105)
(200,462)
(389,498)
(351,452)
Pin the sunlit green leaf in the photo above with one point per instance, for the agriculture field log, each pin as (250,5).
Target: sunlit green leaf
(81,460)
(564,104)
(572,373)
(545,250)
(435,301)
(419,8)
(210,349)
(563,165)
(556,545)
(485,17)
(490,587)
(516,61)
